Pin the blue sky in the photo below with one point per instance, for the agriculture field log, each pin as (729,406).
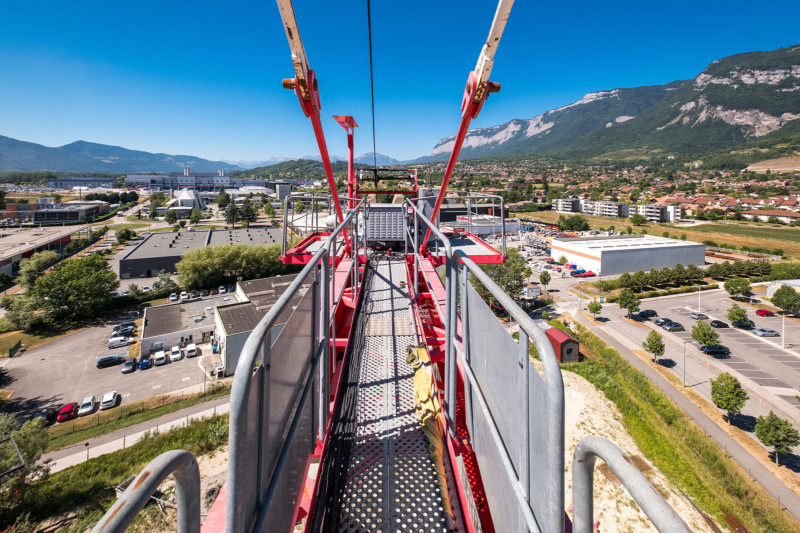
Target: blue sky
(204,78)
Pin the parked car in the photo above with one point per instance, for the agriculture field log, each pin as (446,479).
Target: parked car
(214,292)
(129,365)
(221,289)
(119,342)
(109,400)
(231,288)
(715,349)
(765,312)
(156,286)
(646,313)
(124,332)
(145,361)
(173,297)
(743,324)
(114,294)
(699,316)
(194,294)
(108,360)
(766,332)
(662,321)
(718,324)
(126,293)
(87,406)
(146,289)
(184,295)
(205,292)
(191,350)
(48,414)
(67,412)
(124,325)
(175,354)
(160,358)
(673,326)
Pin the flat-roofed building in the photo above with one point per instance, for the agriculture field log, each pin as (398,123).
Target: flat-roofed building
(609,255)
(162,251)
(605,209)
(180,323)
(566,205)
(235,322)
(81,181)
(17,244)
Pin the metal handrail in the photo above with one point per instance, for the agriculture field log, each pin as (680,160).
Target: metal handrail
(179,463)
(251,352)
(664,518)
(299,196)
(554,519)
(468,196)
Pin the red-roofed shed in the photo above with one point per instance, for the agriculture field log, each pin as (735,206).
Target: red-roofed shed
(564,345)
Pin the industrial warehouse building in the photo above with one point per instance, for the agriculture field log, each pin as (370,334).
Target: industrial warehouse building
(161,251)
(627,253)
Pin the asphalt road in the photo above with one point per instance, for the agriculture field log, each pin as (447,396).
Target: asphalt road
(63,371)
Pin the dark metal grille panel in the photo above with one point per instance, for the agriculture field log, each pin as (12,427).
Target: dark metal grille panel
(390,483)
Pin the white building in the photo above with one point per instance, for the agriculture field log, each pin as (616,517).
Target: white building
(609,255)
(605,209)
(566,205)
(657,212)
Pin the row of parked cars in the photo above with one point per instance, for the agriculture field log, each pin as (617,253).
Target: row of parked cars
(161,357)
(86,407)
(191,295)
(123,335)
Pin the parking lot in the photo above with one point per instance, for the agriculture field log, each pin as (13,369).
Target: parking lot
(63,371)
(770,372)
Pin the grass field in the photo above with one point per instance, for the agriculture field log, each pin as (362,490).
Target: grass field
(31,339)
(134,226)
(776,233)
(104,422)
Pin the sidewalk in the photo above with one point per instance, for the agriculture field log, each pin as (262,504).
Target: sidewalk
(78,453)
(771,484)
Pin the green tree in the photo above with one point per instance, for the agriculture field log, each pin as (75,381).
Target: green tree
(787,298)
(574,223)
(773,431)
(704,334)
(544,278)
(170,217)
(628,230)
(21,311)
(165,282)
(736,314)
(625,281)
(629,301)
(249,213)
(299,207)
(31,268)
(545,315)
(737,286)
(214,265)
(594,308)
(638,220)
(654,345)
(510,276)
(19,490)
(639,279)
(563,260)
(75,289)
(157,199)
(125,234)
(223,198)
(694,274)
(232,214)
(678,274)
(182,223)
(268,209)
(727,394)
(195,216)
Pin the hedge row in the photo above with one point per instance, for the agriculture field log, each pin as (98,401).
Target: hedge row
(667,292)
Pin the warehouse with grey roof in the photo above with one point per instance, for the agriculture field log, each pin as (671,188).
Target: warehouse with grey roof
(162,251)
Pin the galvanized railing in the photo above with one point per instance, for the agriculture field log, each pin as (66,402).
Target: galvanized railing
(309,222)
(178,463)
(474,200)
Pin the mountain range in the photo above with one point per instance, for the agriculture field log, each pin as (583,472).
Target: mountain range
(732,101)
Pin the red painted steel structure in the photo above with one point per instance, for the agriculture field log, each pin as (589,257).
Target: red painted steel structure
(349,125)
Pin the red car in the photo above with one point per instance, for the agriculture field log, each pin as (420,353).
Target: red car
(67,412)
(764,312)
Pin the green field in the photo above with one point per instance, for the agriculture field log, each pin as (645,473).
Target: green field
(129,226)
(779,233)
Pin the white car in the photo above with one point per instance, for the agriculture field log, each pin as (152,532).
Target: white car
(222,289)
(87,406)
(191,350)
(145,289)
(184,295)
(109,400)
(173,297)
(119,342)
(160,358)
(175,354)
(766,332)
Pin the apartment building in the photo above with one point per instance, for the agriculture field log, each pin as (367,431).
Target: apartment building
(566,205)
(605,209)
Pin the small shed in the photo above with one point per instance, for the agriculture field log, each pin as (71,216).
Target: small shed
(564,345)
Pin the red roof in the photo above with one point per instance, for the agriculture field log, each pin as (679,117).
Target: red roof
(559,335)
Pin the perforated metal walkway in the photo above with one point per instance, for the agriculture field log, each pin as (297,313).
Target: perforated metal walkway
(390,483)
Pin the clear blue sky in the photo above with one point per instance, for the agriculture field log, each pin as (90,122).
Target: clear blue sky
(204,78)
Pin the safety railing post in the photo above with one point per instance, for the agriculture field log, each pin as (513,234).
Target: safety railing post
(324,377)
(525,466)
(644,494)
(417,251)
(466,343)
(451,262)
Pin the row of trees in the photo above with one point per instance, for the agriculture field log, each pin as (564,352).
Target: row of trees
(214,265)
(573,223)
(666,276)
(729,395)
(739,268)
(510,276)
(114,197)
